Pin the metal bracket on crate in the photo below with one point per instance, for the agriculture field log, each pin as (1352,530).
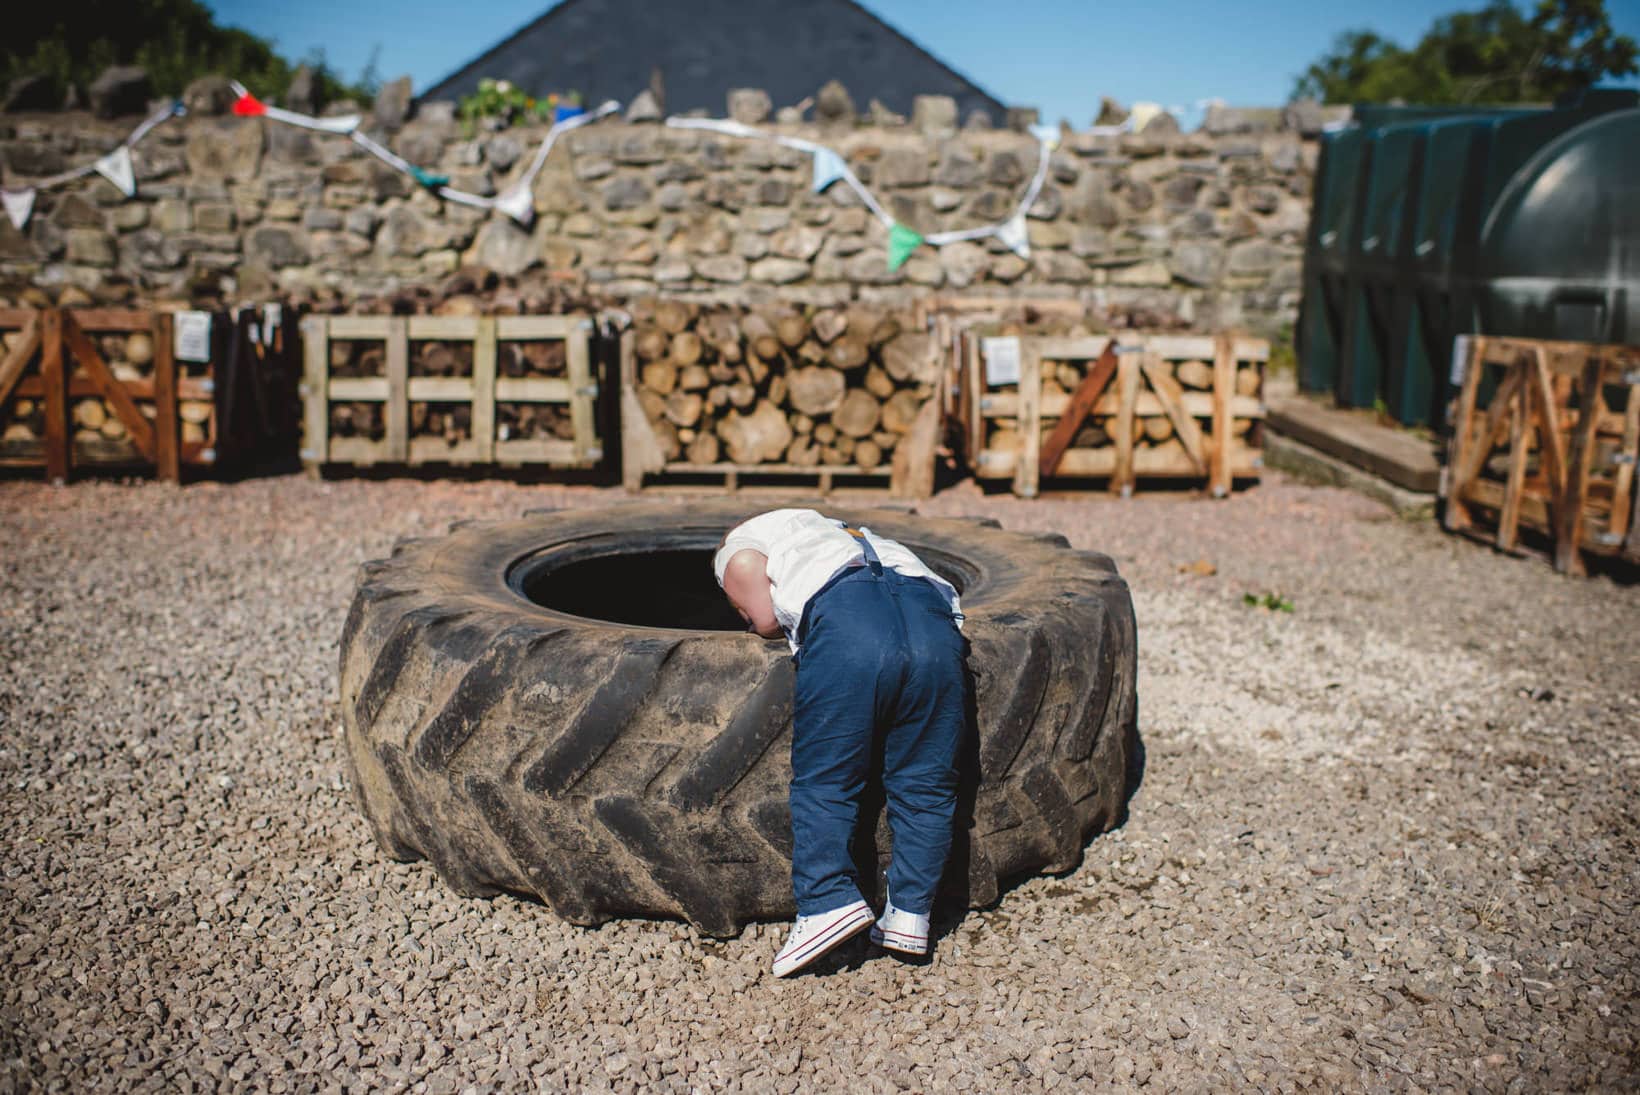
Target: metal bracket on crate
(588,390)
(1632,376)
(1623,458)
(307,454)
(207,385)
(595,452)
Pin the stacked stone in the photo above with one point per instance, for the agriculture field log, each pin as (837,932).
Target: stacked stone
(1206,227)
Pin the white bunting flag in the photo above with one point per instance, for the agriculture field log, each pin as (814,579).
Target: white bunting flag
(342,123)
(19,206)
(828,168)
(116,168)
(1047,134)
(518,203)
(1014,236)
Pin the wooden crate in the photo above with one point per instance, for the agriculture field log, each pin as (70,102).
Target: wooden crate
(1544,437)
(1154,427)
(908,474)
(396,390)
(54,374)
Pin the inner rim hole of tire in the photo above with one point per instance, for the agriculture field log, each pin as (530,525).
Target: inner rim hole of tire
(671,589)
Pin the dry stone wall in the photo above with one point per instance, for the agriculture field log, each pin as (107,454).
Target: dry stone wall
(1157,227)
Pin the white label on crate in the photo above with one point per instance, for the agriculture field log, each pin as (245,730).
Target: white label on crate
(193,336)
(1460,358)
(1001,360)
(272,316)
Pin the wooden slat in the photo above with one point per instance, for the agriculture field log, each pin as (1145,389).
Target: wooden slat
(440,389)
(1027,471)
(1168,391)
(521,328)
(1168,461)
(532,389)
(360,389)
(398,401)
(1569,510)
(1219,476)
(1490,432)
(141,389)
(483,420)
(1127,396)
(1087,393)
(315,392)
(136,424)
(531,451)
(880,472)
(582,392)
(14,318)
(359,450)
(1551,439)
(11,369)
(436,450)
(974,391)
(455,328)
(1196,404)
(1623,480)
(1519,429)
(1201,347)
(1456,516)
(103,320)
(361,327)
(56,398)
(167,426)
(1489,494)
(1082,348)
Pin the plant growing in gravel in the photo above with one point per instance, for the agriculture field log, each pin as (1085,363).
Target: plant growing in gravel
(1270,602)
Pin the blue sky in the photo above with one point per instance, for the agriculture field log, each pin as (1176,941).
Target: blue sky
(1058,55)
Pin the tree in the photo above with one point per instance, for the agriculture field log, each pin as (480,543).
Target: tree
(71,41)
(1495,54)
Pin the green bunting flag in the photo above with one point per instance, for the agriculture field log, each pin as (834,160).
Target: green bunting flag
(428,179)
(901,242)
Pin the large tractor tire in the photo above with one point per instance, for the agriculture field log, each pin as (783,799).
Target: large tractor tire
(565,706)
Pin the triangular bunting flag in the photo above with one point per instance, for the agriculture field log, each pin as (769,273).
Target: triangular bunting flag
(116,168)
(828,168)
(518,203)
(901,242)
(249,106)
(19,206)
(1014,236)
(1047,134)
(428,179)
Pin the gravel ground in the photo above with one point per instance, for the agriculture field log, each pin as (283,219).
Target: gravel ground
(1385,841)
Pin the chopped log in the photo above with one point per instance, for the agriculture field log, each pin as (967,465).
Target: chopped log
(660,376)
(845,446)
(825,433)
(756,438)
(1247,380)
(673,316)
(1241,427)
(1157,428)
(900,411)
(811,352)
(867,454)
(718,397)
(803,452)
(90,414)
(653,404)
(193,433)
(1090,437)
(720,373)
(666,436)
(756,370)
(829,324)
(720,330)
(687,435)
(652,344)
(792,329)
(685,348)
(777,390)
(909,359)
(194,410)
(139,348)
(704,449)
(814,390)
(831,457)
(885,440)
(1003,440)
(857,415)
(683,408)
(1194,374)
(743,395)
(879,383)
(848,353)
(760,336)
(1069,375)
(694,378)
(1050,387)
(802,424)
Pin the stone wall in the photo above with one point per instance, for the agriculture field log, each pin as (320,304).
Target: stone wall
(1203,228)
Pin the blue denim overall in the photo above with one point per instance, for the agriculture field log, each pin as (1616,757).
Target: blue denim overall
(880,655)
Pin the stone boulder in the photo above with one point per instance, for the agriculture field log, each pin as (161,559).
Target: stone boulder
(1304,117)
(833,105)
(120,90)
(394,103)
(934,115)
(209,95)
(749,105)
(643,108)
(302,95)
(1111,112)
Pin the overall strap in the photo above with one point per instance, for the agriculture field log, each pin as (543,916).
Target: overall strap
(867,550)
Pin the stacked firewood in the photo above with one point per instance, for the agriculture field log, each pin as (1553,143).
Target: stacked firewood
(839,387)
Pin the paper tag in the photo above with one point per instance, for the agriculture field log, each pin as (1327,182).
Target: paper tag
(1001,360)
(193,336)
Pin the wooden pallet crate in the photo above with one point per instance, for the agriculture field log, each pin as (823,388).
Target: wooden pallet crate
(1161,406)
(1544,440)
(909,473)
(64,405)
(480,393)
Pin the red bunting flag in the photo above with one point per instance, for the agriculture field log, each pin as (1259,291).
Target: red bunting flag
(249,106)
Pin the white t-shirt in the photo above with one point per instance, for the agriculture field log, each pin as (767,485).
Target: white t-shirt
(805,551)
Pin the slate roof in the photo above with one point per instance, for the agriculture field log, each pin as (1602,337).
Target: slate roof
(605,49)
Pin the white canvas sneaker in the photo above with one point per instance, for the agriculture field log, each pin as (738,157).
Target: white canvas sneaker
(898,930)
(814,935)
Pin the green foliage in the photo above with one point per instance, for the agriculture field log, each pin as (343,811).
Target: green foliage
(500,99)
(177,41)
(1270,602)
(1495,54)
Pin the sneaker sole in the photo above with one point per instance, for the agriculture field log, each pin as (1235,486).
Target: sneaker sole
(897,941)
(832,937)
